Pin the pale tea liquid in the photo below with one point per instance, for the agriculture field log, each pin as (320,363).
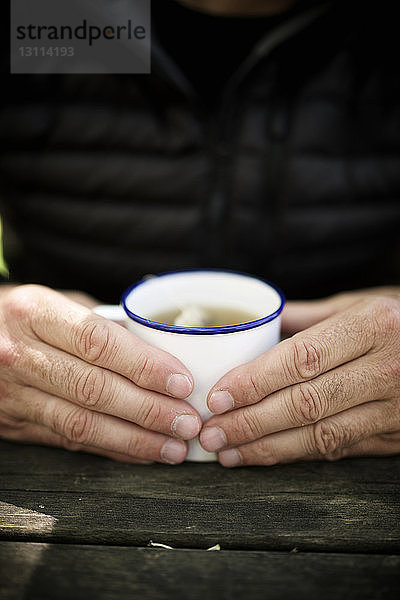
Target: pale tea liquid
(212,316)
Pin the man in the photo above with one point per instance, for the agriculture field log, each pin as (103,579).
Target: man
(265,140)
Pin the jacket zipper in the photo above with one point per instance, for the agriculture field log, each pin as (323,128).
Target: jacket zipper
(219,138)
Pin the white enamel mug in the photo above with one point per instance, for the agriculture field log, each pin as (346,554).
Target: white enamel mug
(208,352)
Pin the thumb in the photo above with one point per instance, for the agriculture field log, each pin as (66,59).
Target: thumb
(298,315)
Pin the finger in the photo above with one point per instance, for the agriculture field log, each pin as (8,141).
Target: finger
(92,387)
(66,325)
(387,444)
(81,298)
(354,383)
(299,315)
(335,341)
(30,433)
(326,439)
(88,428)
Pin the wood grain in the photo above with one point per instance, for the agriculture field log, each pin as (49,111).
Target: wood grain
(48,571)
(52,495)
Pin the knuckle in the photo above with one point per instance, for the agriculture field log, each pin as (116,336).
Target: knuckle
(247,386)
(90,387)
(336,455)
(69,445)
(78,427)
(9,395)
(92,341)
(9,352)
(268,453)
(23,301)
(9,423)
(134,447)
(257,385)
(328,438)
(387,313)
(249,422)
(142,369)
(149,415)
(306,360)
(391,371)
(307,403)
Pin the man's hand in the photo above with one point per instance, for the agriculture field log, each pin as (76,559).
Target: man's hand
(329,391)
(70,378)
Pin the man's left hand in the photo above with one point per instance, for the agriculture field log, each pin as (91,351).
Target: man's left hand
(331,390)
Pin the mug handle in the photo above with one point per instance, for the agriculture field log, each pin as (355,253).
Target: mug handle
(113,312)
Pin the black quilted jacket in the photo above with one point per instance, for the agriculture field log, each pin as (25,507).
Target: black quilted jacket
(295,175)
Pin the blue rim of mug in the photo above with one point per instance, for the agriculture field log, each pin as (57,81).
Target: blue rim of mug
(201,330)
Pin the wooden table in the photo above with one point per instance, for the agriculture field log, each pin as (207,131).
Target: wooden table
(78,526)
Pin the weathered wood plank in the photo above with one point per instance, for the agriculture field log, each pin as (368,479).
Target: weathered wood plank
(51,495)
(41,571)
(282,521)
(46,469)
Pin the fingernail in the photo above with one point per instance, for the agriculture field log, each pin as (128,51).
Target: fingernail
(213,439)
(173,452)
(230,458)
(179,385)
(220,402)
(186,426)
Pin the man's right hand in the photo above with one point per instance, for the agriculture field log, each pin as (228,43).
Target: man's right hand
(71,378)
